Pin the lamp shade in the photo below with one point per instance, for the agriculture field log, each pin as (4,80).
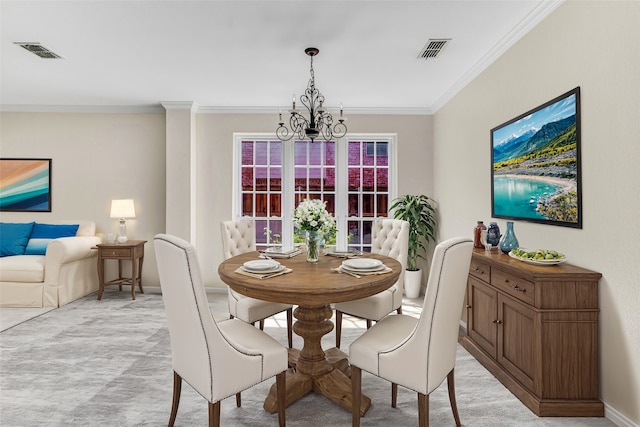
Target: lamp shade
(122,208)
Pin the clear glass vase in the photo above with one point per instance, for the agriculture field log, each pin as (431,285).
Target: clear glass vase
(509,241)
(313,246)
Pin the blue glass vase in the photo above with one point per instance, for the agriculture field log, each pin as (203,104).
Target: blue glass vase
(509,241)
(493,234)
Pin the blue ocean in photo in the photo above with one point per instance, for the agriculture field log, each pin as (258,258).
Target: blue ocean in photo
(518,196)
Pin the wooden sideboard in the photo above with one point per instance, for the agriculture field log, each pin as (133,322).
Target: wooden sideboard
(535,328)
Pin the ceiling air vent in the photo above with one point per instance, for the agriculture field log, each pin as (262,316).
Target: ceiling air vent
(433,48)
(38,49)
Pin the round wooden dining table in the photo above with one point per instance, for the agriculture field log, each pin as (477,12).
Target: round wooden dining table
(312,287)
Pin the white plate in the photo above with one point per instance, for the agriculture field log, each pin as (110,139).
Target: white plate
(261,265)
(275,269)
(539,261)
(364,270)
(362,263)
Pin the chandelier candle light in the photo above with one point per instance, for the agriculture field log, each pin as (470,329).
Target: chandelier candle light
(312,216)
(320,122)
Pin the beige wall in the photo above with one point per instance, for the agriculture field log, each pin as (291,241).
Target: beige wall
(96,158)
(214,167)
(99,157)
(594,45)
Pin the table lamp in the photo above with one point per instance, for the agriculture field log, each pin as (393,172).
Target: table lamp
(123,209)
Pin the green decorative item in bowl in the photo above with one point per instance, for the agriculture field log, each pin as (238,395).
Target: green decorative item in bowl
(538,256)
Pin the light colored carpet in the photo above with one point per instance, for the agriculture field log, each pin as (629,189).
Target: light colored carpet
(108,363)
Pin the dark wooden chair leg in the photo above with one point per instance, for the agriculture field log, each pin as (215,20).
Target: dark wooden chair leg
(338,327)
(281,385)
(356,395)
(262,325)
(214,414)
(238,400)
(399,310)
(452,397)
(290,327)
(368,323)
(423,410)
(177,388)
(394,394)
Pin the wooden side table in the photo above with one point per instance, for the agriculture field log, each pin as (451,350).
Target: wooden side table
(133,251)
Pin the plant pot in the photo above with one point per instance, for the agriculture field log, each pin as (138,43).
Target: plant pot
(412,283)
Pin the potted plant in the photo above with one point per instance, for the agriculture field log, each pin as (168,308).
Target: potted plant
(419,212)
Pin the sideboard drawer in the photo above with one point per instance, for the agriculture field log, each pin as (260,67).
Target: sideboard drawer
(514,286)
(117,253)
(480,270)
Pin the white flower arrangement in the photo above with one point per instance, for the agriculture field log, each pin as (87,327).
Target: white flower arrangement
(312,215)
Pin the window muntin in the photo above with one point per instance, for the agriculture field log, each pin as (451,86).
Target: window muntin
(367,188)
(318,170)
(261,187)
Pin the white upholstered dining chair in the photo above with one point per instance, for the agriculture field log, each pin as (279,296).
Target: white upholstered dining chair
(238,237)
(218,359)
(389,237)
(418,353)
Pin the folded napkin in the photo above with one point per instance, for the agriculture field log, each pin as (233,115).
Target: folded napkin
(349,254)
(265,275)
(363,273)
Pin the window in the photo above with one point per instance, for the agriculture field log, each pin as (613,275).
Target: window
(354,176)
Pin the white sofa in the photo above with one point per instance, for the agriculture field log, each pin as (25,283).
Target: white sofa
(67,272)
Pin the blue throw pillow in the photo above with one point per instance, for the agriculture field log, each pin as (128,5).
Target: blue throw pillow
(42,234)
(14,237)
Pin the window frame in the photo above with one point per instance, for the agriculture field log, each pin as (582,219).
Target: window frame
(341,170)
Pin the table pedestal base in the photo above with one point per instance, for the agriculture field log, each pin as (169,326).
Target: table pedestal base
(312,369)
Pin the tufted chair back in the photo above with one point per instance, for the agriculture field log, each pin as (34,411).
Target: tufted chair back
(390,237)
(238,237)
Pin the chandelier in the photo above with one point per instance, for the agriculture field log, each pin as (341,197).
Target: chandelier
(320,122)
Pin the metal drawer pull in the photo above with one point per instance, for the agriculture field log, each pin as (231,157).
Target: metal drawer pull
(518,288)
(497,322)
(467,306)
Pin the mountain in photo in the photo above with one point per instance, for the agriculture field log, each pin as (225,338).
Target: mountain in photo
(529,142)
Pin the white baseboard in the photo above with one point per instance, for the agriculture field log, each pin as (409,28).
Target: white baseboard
(613,415)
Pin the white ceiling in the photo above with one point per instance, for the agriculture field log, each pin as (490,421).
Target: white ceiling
(249,55)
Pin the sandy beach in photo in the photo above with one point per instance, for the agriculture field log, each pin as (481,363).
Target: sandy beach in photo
(566,184)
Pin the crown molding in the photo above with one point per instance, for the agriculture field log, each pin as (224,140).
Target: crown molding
(128,109)
(179,105)
(351,110)
(193,106)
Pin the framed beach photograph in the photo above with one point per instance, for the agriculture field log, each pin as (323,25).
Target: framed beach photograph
(535,164)
(25,185)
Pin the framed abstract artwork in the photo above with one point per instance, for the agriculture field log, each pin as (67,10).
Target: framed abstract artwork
(535,164)
(25,185)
